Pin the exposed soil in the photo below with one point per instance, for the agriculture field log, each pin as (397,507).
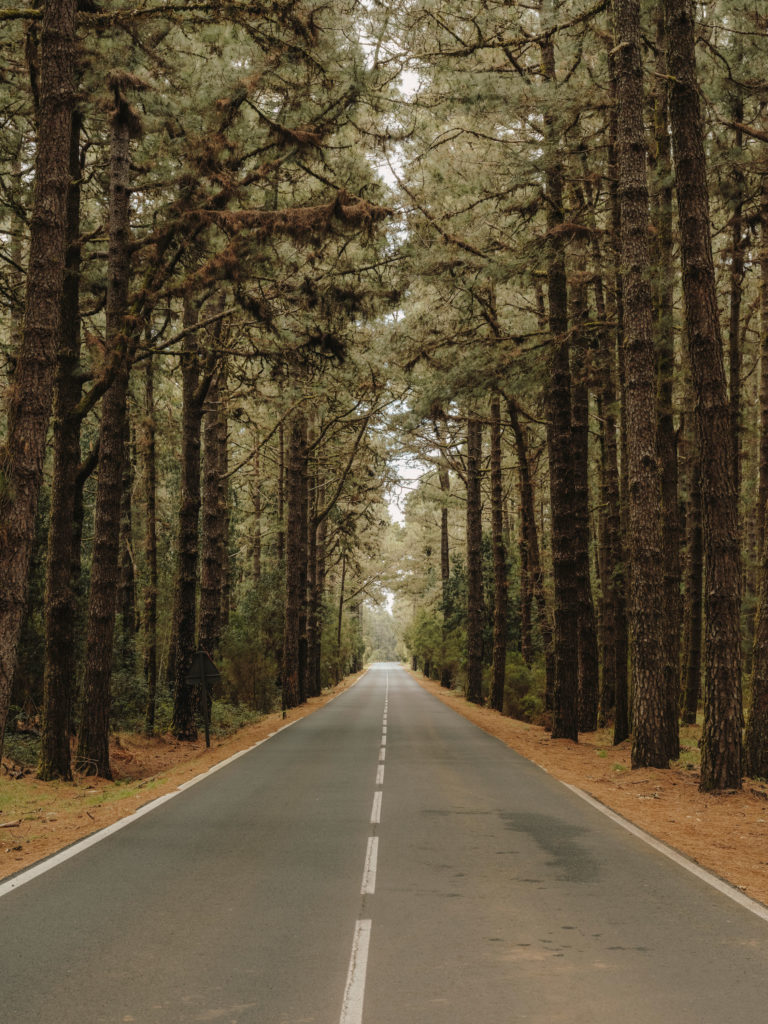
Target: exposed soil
(726,834)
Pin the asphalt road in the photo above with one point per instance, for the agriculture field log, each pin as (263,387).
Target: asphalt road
(380,862)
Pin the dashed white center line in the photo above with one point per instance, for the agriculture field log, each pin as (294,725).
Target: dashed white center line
(354,993)
(380,775)
(369,871)
(382,753)
(376,809)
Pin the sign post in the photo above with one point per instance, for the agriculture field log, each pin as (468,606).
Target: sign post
(203,673)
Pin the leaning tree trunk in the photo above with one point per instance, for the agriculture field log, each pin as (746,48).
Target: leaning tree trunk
(649,739)
(31,392)
(500,585)
(474,690)
(721,740)
(93,738)
(60,603)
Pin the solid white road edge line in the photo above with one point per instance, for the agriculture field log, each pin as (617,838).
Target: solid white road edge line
(96,837)
(691,866)
(376,809)
(354,993)
(368,887)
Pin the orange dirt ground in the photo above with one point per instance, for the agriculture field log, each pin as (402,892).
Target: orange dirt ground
(726,834)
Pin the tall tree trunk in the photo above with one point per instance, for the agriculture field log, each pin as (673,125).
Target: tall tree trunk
(195,387)
(60,602)
(444,478)
(694,578)
(474,690)
(281,494)
(93,738)
(31,392)
(500,585)
(304,566)
(721,741)
(756,733)
(665,347)
(214,512)
(257,513)
(126,596)
(150,548)
(587,633)
(294,578)
(650,707)
(565,710)
(530,532)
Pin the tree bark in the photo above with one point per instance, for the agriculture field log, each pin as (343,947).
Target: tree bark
(150,549)
(60,599)
(589,671)
(93,737)
(721,741)
(565,710)
(666,437)
(31,392)
(500,584)
(294,577)
(195,387)
(474,690)
(444,479)
(694,578)
(530,534)
(650,707)
(214,515)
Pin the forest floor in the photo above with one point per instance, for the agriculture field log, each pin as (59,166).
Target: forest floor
(727,834)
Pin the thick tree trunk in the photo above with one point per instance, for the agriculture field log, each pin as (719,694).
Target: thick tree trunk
(565,710)
(93,737)
(721,741)
(474,690)
(649,699)
(500,585)
(756,733)
(60,601)
(294,576)
(150,549)
(31,392)
(665,348)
